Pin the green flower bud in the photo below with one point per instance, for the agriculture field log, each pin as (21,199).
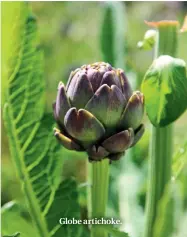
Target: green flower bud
(148,41)
(165,90)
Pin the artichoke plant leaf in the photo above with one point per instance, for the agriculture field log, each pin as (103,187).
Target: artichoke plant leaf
(36,154)
(15,219)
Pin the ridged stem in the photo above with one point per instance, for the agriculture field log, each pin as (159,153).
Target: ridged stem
(99,194)
(160,156)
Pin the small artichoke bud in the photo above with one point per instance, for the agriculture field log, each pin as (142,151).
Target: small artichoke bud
(148,41)
(165,90)
(98,112)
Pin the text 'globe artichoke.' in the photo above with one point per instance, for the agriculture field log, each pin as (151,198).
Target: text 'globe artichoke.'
(97,112)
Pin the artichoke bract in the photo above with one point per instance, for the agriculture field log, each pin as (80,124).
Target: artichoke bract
(97,112)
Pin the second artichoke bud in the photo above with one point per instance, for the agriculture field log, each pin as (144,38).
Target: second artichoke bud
(97,112)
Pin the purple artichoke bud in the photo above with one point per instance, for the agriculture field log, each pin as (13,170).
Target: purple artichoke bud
(97,112)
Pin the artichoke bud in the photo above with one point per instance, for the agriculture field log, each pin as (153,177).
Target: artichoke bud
(98,113)
(148,41)
(165,90)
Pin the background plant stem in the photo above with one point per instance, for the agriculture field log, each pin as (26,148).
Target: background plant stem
(161,138)
(99,194)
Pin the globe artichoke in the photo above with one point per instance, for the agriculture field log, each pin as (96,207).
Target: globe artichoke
(97,112)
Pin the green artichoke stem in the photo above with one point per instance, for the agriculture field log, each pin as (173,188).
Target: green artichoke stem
(160,155)
(99,194)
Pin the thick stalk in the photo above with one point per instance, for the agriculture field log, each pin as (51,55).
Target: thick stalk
(99,194)
(162,139)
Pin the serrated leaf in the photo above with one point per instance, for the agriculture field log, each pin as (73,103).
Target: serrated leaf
(165,90)
(13,214)
(40,168)
(33,148)
(65,204)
